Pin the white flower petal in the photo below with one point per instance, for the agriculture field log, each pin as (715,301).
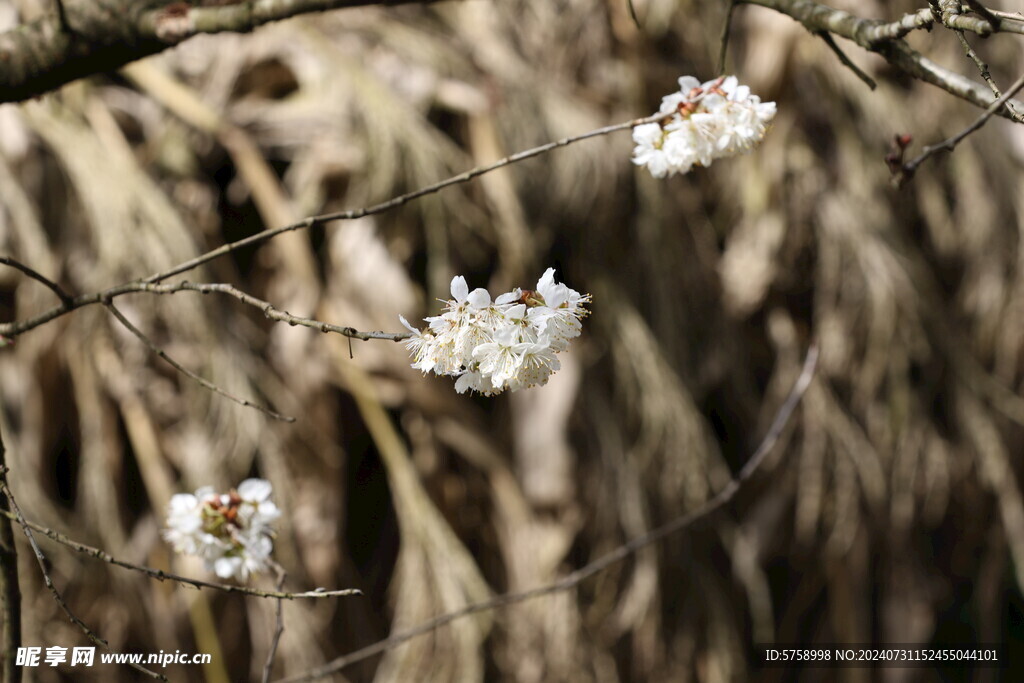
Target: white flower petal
(255,490)
(479,298)
(459,288)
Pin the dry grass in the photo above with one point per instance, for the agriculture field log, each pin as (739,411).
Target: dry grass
(891,511)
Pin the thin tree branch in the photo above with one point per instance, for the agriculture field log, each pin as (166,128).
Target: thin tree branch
(160,575)
(847,62)
(908,169)
(723,40)
(13,329)
(5,490)
(278,625)
(64,297)
(720,499)
(270,311)
(986,75)
(205,383)
(10,590)
(1009,16)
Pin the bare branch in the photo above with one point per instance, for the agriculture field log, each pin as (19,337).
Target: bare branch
(13,329)
(64,297)
(986,75)
(723,41)
(847,62)
(1009,16)
(622,552)
(270,311)
(908,169)
(278,625)
(881,37)
(205,383)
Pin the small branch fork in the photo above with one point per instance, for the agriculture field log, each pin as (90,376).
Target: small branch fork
(907,170)
(719,501)
(886,39)
(205,383)
(987,76)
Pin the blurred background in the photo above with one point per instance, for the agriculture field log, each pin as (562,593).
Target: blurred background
(890,510)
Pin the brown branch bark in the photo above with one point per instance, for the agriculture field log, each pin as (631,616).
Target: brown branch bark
(96,36)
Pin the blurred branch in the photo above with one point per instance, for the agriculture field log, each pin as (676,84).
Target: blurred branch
(205,383)
(1009,16)
(84,37)
(64,297)
(723,40)
(15,513)
(628,549)
(10,589)
(847,62)
(278,625)
(13,329)
(906,172)
(161,575)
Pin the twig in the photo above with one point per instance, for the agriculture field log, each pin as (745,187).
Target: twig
(13,329)
(278,625)
(948,145)
(622,552)
(1009,16)
(270,311)
(58,598)
(986,75)
(847,62)
(396,202)
(161,575)
(205,383)
(64,297)
(10,590)
(723,40)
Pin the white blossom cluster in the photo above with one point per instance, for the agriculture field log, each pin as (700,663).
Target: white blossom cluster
(703,122)
(231,531)
(508,343)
